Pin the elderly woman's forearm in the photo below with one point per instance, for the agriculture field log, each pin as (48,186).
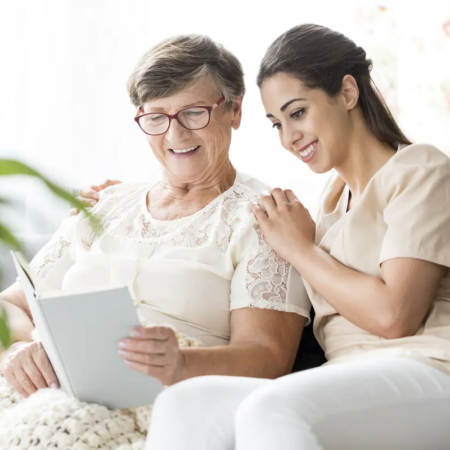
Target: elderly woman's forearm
(19,323)
(245,360)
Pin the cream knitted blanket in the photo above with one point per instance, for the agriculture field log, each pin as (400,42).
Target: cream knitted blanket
(50,419)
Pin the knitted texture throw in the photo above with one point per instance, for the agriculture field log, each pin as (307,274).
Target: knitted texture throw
(51,419)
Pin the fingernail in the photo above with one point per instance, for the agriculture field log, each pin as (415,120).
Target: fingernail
(122,352)
(95,195)
(135,333)
(123,344)
(92,202)
(54,386)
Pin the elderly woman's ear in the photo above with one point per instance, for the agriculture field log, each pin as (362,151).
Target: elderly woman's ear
(236,109)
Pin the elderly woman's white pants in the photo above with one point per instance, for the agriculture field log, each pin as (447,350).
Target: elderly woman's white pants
(383,403)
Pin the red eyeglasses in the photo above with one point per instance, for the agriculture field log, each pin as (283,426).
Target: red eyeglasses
(192,118)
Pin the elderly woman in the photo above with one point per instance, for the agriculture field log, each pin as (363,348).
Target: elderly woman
(189,244)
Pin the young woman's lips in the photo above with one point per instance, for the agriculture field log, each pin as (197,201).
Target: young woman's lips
(311,152)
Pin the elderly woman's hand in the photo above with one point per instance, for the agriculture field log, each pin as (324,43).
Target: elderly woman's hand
(26,368)
(89,195)
(155,352)
(286,223)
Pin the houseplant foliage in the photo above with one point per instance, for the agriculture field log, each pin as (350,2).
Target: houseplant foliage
(9,167)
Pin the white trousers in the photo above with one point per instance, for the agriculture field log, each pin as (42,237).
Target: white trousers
(383,403)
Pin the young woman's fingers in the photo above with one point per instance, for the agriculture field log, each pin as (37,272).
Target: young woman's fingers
(87,202)
(290,196)
(268,203)
(278,196)
(260,214)
(106,184)
(88,193)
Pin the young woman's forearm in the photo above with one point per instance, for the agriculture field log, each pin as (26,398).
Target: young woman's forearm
(362,299)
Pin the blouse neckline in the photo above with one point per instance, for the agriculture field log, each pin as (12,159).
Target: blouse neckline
(190,216)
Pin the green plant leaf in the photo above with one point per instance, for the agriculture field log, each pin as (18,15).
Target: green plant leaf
(7,238)
(5,333)
(3,201)
(12,167)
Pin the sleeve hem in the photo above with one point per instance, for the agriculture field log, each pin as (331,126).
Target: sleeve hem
(273,306)
(442,260)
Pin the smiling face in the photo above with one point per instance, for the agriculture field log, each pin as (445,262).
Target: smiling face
(311,125)
(194,156)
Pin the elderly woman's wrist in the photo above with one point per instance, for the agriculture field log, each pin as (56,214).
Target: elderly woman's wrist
(182,370)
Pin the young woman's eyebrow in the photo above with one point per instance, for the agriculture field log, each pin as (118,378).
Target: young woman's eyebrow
(283,108)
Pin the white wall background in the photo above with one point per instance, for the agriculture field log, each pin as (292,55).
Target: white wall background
(63,100)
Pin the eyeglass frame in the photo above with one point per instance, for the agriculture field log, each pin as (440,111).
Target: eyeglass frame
(175,116)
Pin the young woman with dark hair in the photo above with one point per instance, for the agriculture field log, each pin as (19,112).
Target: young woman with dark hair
(375,265)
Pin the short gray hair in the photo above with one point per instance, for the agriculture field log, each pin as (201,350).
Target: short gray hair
(180,62)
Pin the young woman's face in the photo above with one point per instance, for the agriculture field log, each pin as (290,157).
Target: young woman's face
(312,126)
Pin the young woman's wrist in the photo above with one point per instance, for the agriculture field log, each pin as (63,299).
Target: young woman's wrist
(304,256)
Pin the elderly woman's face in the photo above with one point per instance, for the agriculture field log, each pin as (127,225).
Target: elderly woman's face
(194,155)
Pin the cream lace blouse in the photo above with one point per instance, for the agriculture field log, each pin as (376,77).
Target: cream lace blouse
(190,272)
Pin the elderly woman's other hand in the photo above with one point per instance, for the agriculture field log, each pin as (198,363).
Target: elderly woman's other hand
(286,223)
(26,368)
(89,195)
(155,352)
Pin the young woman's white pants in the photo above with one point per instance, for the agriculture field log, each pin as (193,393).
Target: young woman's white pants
(383,403)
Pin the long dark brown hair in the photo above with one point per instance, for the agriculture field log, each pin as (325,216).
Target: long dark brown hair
(320,58)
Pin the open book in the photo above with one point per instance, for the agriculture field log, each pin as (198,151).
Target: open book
(80,334)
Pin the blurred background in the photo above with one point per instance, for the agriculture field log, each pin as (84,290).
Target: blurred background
(64,66)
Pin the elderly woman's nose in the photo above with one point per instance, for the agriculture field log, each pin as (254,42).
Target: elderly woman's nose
(176,130)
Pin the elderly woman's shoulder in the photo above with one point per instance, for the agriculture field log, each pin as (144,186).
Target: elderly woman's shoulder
(252,186)
(123,189)
(115,196)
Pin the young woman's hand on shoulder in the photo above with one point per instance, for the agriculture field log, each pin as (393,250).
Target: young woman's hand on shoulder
(89,195)
(286,224)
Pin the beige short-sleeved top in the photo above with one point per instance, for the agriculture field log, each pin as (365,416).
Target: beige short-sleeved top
(190,272)
(404,212)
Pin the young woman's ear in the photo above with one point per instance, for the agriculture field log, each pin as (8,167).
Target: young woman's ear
(349,92)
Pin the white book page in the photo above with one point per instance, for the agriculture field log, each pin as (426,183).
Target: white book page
(40,321)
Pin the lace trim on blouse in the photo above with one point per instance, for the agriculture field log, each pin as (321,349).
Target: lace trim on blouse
(267,273)
(267,277)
